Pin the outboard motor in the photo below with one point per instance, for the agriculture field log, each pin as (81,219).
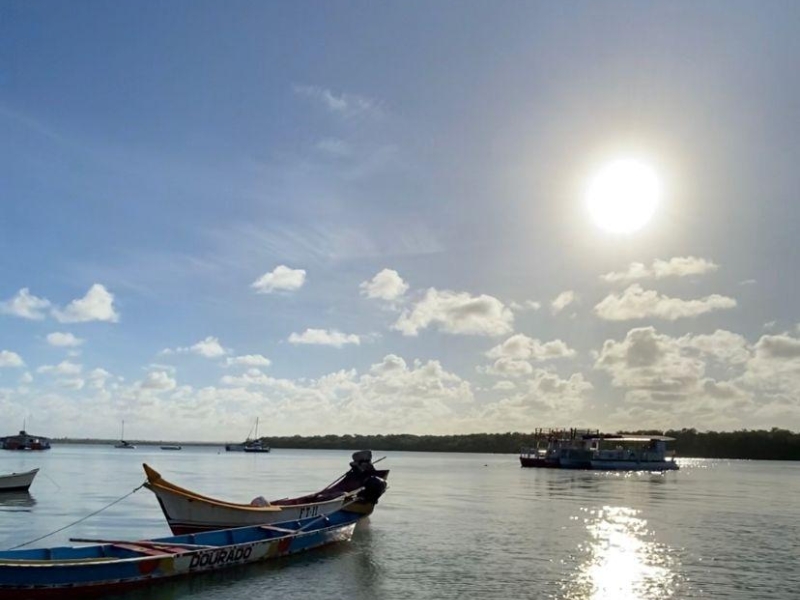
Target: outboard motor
(362,462)
(373,489)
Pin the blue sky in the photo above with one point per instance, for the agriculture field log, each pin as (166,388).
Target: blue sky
(367,217)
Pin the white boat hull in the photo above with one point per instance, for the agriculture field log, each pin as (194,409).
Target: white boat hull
(17,482)
(632,465)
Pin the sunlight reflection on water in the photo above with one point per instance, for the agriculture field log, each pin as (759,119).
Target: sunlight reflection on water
(623,562)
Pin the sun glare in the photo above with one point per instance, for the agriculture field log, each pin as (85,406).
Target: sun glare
(623,196)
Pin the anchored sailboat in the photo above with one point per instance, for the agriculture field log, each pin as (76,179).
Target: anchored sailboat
(122,443)
(253,444)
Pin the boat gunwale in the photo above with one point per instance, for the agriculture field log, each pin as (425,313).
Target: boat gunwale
(156,481)
(88,561)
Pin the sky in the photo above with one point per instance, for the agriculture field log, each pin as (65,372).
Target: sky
(366,217)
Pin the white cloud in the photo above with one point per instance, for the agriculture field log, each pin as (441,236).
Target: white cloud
(513,357)
(97,378)
(25,305)
(457,313)
(25,378)
(386,285)
(72,383)
(63,339)
(96,305)
(324,337)
(526,305)
(543,398)
(345,105)
(248,360)
(63,368)
(209,347)
(504,385)
(562,301)
(637,303)
(10,359)
(280,278)
(675,267)
(158,380)
(520,346)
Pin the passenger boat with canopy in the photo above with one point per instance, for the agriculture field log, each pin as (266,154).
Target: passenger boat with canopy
(577,449)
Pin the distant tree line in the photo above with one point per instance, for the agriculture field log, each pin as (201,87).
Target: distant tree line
(773,444)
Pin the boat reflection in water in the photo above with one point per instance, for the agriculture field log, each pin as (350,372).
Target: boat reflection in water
(16,501)
(622,562)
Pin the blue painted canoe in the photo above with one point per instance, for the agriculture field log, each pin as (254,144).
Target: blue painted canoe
(83,571)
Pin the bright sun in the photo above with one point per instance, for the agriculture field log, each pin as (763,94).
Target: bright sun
(623,196)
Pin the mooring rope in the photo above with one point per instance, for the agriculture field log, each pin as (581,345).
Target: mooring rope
(133,491)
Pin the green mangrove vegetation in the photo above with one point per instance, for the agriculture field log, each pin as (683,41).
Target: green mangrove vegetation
(773,444)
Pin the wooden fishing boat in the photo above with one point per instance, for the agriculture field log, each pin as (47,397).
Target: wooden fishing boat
(187,511)
(17,482)
(111,566)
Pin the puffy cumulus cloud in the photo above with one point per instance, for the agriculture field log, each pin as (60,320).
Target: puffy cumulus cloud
(324,337)
(63,368)
(63,339)
(774,369)
(513,357)
(562,301)
(542,398)
(666,380)
(210,347)
(97,378)
(248,360)
(281,278)
(26,378)
(647,360)
(158,380)
(386,285)
(25,305)
(10,359)
(96,305)
(638,303)
(674,267)
(722,346)
(520,346)
(456,313)
(392,396)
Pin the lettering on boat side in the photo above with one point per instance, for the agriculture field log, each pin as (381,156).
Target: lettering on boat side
(309,511)
(213,558)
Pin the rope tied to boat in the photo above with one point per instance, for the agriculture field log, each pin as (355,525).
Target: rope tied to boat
(97,512)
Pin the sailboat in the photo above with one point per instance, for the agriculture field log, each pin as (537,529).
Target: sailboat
(250,444)
(122,443)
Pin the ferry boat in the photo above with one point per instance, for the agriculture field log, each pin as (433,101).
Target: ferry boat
(574,449)
(25,441)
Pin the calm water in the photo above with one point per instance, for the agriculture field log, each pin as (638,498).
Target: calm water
(451,526)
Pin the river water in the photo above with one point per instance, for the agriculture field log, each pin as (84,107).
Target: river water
(450,526)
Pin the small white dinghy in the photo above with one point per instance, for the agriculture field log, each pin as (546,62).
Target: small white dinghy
(17,482)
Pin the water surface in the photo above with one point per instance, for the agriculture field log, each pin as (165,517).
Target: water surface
(450,526)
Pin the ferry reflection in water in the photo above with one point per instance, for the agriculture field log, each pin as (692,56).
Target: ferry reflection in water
(622,562)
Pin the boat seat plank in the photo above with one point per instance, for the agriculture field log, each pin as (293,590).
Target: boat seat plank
(276,528)
(151,550)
